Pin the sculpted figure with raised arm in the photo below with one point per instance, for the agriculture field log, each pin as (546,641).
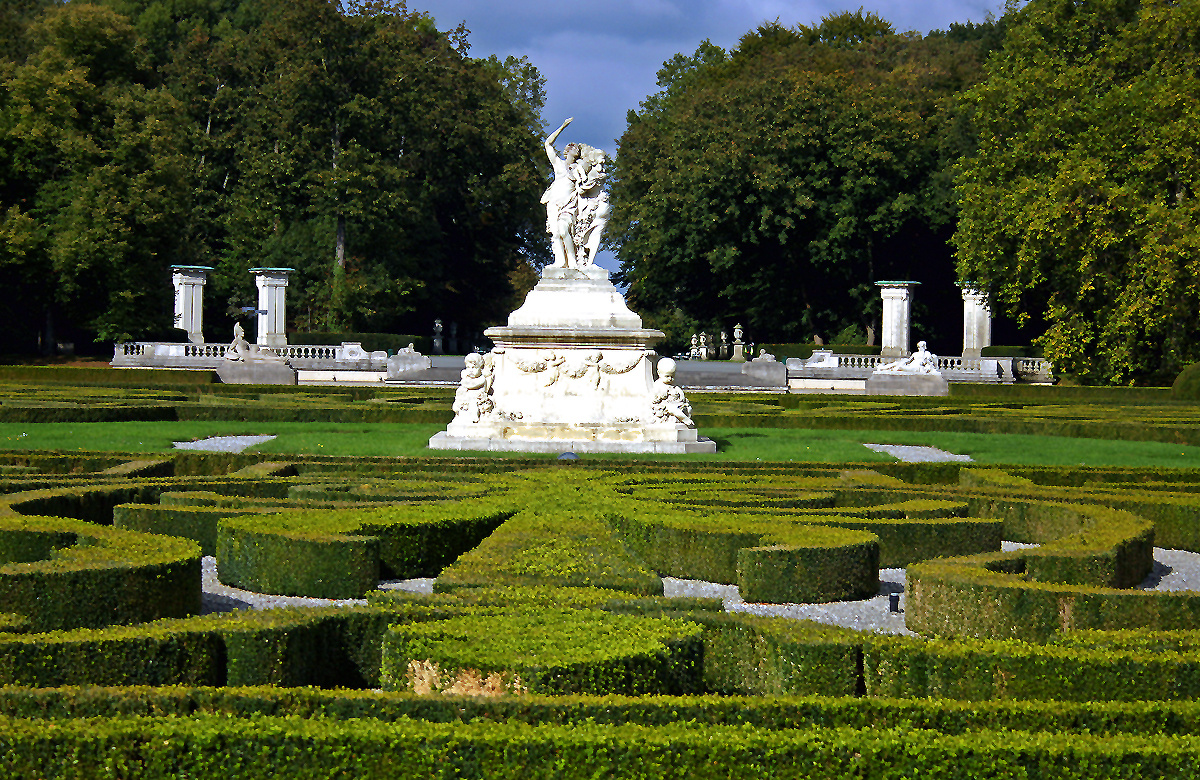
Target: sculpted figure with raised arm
(577,207)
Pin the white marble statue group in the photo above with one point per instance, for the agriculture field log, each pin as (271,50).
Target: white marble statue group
(577,207)
(920,362)
(573,370)
(242,351)
(473,400)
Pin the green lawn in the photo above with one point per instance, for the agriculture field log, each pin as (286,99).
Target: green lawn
(742,444)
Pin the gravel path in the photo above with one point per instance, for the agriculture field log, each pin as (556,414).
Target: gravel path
(222,443)
(912,453)
(1173,570)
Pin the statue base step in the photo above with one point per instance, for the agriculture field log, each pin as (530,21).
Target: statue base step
(881,383)
(256,372)
(572,372)
(579,444)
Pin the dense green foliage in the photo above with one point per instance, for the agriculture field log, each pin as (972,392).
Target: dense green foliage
(63,573)
(776,183)
(551,651)
(1186,386)
(1079,205)
(353,142)
(1052,150)
(872,706)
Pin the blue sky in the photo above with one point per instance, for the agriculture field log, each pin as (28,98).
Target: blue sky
(601,58)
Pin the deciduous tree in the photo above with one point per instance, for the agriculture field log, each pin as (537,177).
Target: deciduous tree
(1080,204)
(776,184)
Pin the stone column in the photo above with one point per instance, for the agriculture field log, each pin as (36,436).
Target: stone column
(977,321)
(897,297)
(189,281)
(272,305)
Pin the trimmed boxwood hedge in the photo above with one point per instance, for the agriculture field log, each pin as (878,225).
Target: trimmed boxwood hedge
(550,651)
(1091,546)
(1074,670)
(570,549)
(763,656)
(769,560)
(810,565)
(774,712)
(341,554)
(62,573)
(198,523)
(273,746)
(1088,553)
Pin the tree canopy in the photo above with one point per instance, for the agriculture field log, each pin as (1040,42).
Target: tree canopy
(775,184)
(1080,203)
(357,144)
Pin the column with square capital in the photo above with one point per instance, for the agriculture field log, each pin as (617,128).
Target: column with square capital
(897,305)
(272,305)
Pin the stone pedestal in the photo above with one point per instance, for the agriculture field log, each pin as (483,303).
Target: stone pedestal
(404,362)
(738,354)
(189,281)
(897,300)
(768,372)
(977,322)
(272,305)
(256,372)
(572,371)
(880,383)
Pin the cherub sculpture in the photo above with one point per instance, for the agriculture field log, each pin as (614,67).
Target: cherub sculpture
(667,401)
(473,398)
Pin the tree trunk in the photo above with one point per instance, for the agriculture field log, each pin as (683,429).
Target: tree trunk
(49,347)
(341,241)
(340,251)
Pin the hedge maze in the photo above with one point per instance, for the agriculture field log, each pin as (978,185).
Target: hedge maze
(547,648)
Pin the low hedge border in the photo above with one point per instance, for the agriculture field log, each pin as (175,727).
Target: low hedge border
(235,748)
(908,530)
(763,656)
(335,646)
(571,547)
(198,523)
(62,573)
(342,554)
(772,712)
(993,596)
(780,558)
(1073,670)
(330,647)
(549,651)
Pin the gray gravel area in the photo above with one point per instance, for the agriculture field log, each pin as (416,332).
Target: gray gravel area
(911,453)
(1173,570)
(871,614)
(223,443)
(222,598)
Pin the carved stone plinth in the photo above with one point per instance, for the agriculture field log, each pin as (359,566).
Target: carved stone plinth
(572,371)
(256,373)
(881,383)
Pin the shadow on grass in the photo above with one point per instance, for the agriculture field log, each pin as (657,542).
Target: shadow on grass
(724,442)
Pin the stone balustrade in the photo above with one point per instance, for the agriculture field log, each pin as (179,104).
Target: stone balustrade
(1034,370)
(998,370)
(866,363)
(306,357)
